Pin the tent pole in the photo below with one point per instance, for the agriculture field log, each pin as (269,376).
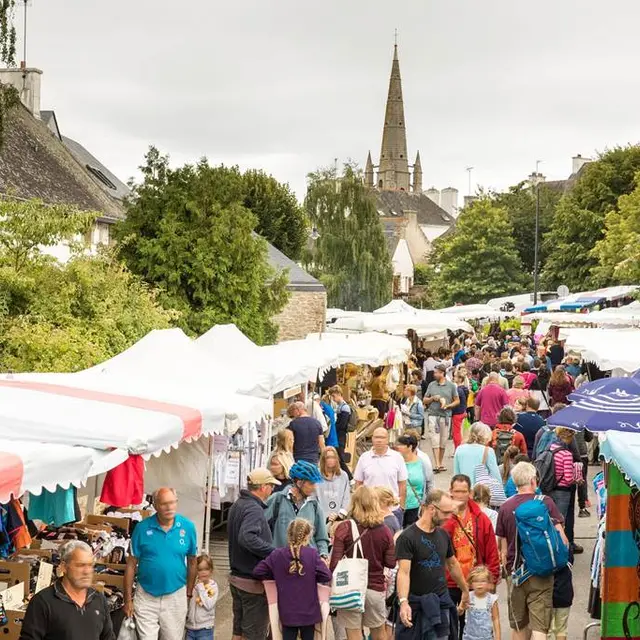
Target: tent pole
(207,506)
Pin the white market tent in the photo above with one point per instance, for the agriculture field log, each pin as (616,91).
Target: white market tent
(625,316)
(477,312)
(520,301)
(424,323)
(263,371)
(373,349)
(558,318)
(32,466)
(397,306)
(610,349)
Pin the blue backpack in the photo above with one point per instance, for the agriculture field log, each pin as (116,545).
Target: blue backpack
(545,441)
(539,543)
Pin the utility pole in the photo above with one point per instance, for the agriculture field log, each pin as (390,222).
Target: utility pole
(536,243)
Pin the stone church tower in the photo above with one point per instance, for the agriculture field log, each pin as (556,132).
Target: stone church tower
(394,169)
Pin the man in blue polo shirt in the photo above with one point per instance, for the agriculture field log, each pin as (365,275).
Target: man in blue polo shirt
(162,561)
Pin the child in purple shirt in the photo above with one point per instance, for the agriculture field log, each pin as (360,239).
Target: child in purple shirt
(297,570)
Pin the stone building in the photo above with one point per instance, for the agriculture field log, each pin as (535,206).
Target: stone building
(411,220)
(305,312)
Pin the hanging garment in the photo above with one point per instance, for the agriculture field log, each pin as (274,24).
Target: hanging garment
(17,525)
(55,508)
(124,485)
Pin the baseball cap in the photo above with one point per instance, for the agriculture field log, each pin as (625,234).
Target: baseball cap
(441,367)
(261,476)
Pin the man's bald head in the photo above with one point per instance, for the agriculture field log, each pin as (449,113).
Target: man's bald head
(380,440)
(165,500)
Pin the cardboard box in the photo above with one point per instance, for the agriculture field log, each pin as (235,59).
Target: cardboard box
(11,631)
(122,523)
(109,580)
(14,573)
(42,553)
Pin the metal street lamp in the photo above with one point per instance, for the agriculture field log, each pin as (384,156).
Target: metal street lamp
(536,243)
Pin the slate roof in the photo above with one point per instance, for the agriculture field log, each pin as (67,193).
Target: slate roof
(34,163)
(299,279)
(394,203)
(391,237)
(116,189)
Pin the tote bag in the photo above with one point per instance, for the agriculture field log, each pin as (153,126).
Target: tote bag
(350,578)
(482,476)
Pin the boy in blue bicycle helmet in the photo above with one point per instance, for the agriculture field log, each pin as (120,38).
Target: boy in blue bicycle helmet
(299,501)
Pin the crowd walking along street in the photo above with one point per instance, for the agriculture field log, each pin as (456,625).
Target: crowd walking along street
(261,392)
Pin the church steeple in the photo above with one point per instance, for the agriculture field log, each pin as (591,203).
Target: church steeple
(393,171)
(368,172)
(417,174)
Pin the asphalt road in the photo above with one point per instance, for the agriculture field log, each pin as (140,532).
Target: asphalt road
(579,618)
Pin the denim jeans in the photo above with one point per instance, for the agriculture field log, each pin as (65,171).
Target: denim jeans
(199,634)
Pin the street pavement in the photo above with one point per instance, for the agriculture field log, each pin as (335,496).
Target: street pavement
(585,535)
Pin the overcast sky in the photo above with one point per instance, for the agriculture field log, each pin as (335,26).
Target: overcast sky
(289,85)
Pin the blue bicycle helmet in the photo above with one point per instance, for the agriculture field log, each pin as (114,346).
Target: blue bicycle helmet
(303,470)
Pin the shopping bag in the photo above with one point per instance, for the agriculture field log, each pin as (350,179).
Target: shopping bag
(128,630)
(350,578)
(482,476)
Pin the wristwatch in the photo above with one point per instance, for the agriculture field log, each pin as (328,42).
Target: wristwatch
(402,600)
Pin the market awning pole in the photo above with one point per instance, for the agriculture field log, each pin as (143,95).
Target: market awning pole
(207,506)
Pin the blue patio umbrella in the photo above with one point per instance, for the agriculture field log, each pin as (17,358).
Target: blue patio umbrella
(611,404)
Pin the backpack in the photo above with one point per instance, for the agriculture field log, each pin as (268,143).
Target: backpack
(539,543)
(353,417)
(504,439)
(545,465)
(544,443)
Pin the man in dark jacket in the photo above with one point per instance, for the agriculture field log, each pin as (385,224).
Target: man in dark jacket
(249,542)
(69,609)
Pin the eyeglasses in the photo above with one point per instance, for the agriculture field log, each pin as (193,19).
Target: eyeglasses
(446,513)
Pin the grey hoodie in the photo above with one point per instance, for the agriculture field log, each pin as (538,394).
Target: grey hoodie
(334,495)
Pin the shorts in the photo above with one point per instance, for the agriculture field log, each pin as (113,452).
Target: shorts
(531,604)
(560,622)
(250,614)
(438,430)
(374,616)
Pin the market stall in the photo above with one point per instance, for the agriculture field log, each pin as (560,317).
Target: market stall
(616,350)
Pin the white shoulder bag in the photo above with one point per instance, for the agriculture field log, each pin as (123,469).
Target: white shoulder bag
(350,577)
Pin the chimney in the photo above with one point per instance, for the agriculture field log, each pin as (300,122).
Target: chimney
(536,178)
(449,200)
(433,194)
(27,83)
(577,162)
(469,200)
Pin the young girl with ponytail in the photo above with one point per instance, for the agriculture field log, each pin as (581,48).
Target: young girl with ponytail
(297,570)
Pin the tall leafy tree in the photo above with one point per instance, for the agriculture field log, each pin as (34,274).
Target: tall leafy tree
(187,233)
(478,259)
(618,252)
(350,255)
(281,219)
(64,317)
(579,221)
(520,205)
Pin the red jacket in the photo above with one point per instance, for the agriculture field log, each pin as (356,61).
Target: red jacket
(484,539)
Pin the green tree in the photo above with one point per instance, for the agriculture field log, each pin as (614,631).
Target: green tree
(520,205)
(350,255)
(64,317)
(187,233)
(580,218)
(618,252)
(478,260)
(281,219)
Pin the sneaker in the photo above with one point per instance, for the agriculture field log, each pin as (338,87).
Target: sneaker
(584,513)
(577,548)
